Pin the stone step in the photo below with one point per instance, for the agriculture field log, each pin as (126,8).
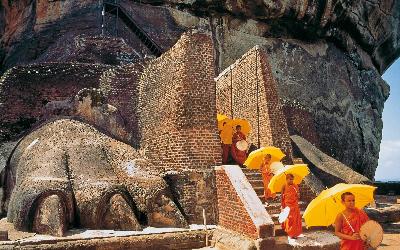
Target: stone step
(275,218)
(314,239)
(254,176)
(275,208)
(246,170)
(280,232)
(259,191)
(256,183)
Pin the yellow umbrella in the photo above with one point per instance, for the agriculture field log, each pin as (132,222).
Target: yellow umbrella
(221,117)
(255,158)
(322,211)
(277,182)
(243,123)
(226,134)
(221,120)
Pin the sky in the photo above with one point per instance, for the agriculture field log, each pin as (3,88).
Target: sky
(389,155)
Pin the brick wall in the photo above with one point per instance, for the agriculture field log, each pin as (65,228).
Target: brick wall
(237,89)
(239,208)
(177,121)
(120,86)
(24,90)
(177,115)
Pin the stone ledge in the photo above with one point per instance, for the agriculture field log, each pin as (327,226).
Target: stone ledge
(230,240)
(160,238)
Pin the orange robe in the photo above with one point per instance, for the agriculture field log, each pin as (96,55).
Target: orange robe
(267,176)
(290,198)
(225,153)
(356,219)
(238,155)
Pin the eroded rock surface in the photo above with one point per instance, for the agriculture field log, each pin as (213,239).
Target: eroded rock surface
(384,213)
(66,173)
(326,168)
(90,105)
(327,56)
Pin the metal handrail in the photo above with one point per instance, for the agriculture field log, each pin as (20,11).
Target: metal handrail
(143,36)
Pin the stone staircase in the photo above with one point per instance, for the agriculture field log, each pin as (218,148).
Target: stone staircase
(316,237)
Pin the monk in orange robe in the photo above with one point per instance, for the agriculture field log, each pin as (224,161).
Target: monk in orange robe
(238,155)
(226,142)
(290,198)
(348,224)
(267,176)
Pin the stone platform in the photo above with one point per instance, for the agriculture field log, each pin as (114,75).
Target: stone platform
(149,238)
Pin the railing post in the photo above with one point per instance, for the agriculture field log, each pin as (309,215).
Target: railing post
(103,12)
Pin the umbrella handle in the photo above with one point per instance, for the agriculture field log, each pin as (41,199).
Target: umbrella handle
(348,222)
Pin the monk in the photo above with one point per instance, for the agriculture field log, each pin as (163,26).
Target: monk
(290,198)
(267,176)
(226,142)
(348,224)
(238,155)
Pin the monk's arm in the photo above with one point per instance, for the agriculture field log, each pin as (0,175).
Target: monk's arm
(338,226)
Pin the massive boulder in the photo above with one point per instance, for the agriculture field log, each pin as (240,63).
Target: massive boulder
(327,56)
(327,169)
(68,174)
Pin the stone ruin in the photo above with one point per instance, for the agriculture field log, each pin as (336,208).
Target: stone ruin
(87,176)
(350,44)
(306,74)
(67,174)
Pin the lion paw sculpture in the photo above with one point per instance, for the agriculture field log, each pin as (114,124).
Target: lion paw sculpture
(68,174)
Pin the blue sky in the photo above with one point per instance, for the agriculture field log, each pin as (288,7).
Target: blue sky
(389,156)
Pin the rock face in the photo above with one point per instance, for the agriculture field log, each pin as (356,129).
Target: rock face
(327,56)
(370,26)
(326,168)
(386,213)
(58,178)
(90,106)
(32,26)
(330,101)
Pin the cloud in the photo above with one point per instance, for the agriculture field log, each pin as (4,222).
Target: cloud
(389,161)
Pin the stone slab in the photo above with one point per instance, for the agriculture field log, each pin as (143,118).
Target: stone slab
(149,238)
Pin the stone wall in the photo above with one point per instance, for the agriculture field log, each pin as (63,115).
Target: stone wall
(177,118)
(247,90)
(90,49)
(25,90)
(195,191)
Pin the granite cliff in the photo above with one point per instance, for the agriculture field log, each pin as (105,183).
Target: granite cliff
(326,56)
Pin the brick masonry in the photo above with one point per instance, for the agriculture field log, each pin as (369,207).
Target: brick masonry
(177,121)
(25,90)
(238,88)
(177,114)
(239,208)
(120,86)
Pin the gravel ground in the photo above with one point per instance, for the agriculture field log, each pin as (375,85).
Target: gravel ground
(391,237)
